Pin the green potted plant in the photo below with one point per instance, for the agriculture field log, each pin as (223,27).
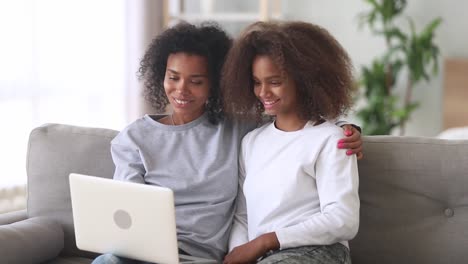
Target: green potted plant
(412,54)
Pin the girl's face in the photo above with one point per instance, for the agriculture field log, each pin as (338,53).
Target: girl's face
(273,88)
(187,84)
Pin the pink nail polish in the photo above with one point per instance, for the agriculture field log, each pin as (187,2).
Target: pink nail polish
(349,152)
(347,133)
(340,145)
(340,141)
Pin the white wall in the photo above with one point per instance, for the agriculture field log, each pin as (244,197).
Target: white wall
(340,18)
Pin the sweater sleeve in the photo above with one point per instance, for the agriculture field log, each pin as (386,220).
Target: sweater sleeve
(341,123)
(127,160)
(239,234)
(336,176)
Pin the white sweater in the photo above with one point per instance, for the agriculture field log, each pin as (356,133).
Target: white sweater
(297,184)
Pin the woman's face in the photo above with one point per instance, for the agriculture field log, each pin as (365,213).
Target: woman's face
(187,84)
(273,88)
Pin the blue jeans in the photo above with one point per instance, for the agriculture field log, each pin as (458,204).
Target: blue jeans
(332,254)
(112,259)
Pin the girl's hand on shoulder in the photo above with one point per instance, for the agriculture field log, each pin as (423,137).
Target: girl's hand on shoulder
(352,141)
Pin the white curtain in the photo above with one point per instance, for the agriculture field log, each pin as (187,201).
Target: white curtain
(145,21)
(71,62)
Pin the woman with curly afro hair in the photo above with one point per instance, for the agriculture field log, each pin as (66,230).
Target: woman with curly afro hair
(298,194)
(194,149)
(207,45)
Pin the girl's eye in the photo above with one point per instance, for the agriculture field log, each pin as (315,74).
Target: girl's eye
(256,83)
(275,83)
(173,78)
(197,82)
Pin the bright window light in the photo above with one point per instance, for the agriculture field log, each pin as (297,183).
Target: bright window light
(60,62)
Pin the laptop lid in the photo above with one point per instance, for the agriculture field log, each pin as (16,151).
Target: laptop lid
(127,219)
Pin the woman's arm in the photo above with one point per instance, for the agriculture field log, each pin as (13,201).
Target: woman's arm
(352,140)
(127,161)
(239,234)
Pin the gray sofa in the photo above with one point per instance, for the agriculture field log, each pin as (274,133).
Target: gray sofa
(414,198)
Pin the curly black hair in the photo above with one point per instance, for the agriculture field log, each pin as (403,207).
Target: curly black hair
(207,40)
(319,66)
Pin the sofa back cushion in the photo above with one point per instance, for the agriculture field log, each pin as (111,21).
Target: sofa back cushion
(414,201)
(54,152)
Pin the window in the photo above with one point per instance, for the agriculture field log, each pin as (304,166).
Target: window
(61,62)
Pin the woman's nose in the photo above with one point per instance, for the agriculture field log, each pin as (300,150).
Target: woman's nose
(182,87)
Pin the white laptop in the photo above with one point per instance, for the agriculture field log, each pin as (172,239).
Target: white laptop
(130,220)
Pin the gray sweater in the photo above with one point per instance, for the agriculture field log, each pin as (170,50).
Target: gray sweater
(198,161)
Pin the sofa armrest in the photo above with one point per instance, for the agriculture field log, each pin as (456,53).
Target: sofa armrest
(11,217)
(33,240)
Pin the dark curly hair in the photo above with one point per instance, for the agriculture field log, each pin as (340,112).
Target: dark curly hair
(207,40)
(320,68)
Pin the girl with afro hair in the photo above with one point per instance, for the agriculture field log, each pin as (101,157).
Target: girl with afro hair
(298,194)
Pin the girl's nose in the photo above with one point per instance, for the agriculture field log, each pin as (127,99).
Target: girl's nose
(264,90)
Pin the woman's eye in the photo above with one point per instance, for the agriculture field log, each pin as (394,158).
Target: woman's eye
(197,82)
(173,78)
(275,83)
